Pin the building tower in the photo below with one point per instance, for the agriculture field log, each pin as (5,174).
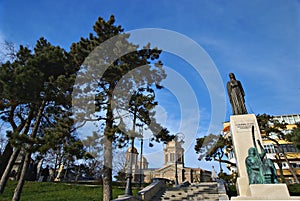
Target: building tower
(142,165)
(172,152)
(133,156)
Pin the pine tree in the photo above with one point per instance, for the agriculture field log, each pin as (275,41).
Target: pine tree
(34,88)
(212,147)
(93,55)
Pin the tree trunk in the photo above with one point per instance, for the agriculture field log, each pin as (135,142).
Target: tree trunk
(18,190)
(5,157)
(13,155)
(22,158)
(56,167)
(107,171)
(279,163)
(66,172)
(107,146)
(290,167)
(8,168)
(224,161)
(285,158)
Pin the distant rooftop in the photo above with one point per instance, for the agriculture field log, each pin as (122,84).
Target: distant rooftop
(289,118)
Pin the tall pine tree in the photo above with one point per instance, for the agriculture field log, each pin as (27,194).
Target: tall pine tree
(34,89)
(95,55)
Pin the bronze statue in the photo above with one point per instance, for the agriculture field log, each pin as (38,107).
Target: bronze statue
(236,95)
(260,169)
(253,165)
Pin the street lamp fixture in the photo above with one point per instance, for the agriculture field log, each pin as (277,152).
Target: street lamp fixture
(141,157)
(178,139)
(128,189)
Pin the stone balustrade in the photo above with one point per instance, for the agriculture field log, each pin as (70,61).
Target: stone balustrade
(146,194)
(150,191)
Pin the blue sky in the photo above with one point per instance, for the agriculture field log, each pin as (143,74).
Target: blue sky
(257,40)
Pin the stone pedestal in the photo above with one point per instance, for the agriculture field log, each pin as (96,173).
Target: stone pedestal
(267,192)
(241,133)
(270,191)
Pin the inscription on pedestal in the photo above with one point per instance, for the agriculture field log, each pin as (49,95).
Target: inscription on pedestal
(244,126)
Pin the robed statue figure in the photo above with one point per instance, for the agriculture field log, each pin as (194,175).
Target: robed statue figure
(236,95)
(260,169)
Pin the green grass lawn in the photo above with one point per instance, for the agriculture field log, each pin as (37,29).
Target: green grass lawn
(46,191)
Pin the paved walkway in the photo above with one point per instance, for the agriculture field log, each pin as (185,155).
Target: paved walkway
(196,191)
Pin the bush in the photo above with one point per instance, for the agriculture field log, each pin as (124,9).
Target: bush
(231,191)
(294,189)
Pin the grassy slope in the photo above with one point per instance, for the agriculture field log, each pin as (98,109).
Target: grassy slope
(36,191)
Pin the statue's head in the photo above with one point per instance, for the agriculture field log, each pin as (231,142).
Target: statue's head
(231,76)
(252,151)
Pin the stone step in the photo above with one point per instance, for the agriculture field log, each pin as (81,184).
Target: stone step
(158,196)
(199,191)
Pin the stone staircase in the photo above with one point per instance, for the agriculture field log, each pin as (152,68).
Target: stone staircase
(195,191)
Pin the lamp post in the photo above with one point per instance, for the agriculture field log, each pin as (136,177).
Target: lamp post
(220,155)
(178,138)
(176,171)
(128,188)
(141,157)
